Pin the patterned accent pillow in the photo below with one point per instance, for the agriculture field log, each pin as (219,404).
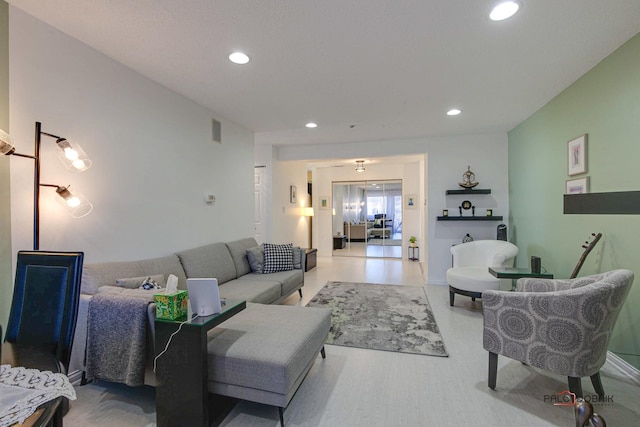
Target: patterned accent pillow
(277,258)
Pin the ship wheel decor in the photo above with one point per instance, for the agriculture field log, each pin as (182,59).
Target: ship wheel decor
(468,179)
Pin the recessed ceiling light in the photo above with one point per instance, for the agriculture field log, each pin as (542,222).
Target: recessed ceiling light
(311,125)
(454,112)
(239,58)
(504,10)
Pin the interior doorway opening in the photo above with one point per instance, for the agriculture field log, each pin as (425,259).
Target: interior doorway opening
(367,218)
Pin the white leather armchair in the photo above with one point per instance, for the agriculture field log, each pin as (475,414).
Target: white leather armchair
(470,275)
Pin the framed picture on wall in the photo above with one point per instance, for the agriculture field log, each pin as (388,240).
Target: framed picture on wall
(411,201)
(577,186)
(577,155)
(324,202)
(293,197)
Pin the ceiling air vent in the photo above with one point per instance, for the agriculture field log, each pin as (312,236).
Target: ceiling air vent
(216,131)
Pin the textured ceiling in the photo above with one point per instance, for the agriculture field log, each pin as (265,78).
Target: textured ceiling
(362,69)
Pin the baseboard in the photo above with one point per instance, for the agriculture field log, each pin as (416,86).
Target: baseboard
(624,367)
(75,377)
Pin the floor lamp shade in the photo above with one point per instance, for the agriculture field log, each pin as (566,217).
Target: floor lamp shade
(6,143)
(73,157)
(74,202)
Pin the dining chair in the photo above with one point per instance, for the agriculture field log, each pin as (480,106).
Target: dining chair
(45,301)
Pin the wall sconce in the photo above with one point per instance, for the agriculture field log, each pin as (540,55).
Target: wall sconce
(73,157)
(307,211)
(360,166)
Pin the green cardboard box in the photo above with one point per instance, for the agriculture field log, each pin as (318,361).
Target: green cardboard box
(171,306)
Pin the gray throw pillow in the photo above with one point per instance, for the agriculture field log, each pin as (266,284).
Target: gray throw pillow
(297,262)
(135,282)
(277,258)
(255,256)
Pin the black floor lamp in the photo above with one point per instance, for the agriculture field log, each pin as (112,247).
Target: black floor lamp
(73,157)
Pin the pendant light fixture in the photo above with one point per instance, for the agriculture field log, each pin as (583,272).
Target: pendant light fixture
(360,166)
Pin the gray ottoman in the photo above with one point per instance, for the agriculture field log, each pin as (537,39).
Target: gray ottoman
(263,353)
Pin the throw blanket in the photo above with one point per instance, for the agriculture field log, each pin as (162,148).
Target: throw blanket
(117,336)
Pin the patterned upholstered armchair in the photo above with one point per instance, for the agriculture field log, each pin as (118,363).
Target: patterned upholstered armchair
(562,326)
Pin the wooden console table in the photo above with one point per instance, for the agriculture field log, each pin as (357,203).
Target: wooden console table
(182,374)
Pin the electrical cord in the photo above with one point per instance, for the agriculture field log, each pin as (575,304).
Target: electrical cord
(166,347)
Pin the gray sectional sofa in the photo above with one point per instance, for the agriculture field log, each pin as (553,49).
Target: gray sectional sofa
(227,262)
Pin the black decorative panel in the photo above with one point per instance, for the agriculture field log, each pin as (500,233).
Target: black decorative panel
(617,203)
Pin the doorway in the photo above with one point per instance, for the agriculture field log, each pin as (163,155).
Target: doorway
(367,218)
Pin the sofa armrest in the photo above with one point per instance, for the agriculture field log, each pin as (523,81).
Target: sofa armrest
(77,359)
(303,258)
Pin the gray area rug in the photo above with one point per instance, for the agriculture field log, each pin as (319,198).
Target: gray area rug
(381,317)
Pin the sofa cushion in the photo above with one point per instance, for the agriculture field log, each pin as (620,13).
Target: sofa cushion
(266,347)
(297,257)
(212,261)
(277,258)
(263,292)
(255,256)
(106,273)
(288,280)
(238,251)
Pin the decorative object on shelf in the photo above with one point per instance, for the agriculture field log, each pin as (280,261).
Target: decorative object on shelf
(473,211)
(360,166)
(468,179)
(489,212)
(411,201)
(466,205)
(577,186)
(412,240)
(577,155)
(467,238)
(293,194)
(445,212)
(73,157)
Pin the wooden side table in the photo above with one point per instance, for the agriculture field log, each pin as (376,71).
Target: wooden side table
(182,374)
(414,253)
(311,259)
(339,242)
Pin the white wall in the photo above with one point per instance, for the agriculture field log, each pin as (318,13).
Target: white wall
(6,280)
(152,151)
(288,224)
(323,178)
(447,160)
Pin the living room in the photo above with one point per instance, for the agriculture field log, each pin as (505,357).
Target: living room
(155,161)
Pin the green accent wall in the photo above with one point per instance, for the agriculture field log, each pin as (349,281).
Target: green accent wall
(605,104)
(6,282)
